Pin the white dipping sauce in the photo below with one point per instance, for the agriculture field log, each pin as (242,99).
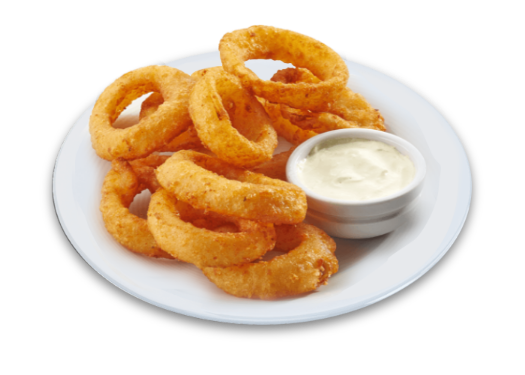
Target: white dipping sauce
(355,169)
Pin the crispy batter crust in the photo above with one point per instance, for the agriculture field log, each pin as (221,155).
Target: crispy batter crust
(179,230)
(276,167)
(154,131)
(208,183)
(230,121)
(187,140)
(292,133)
(348,110)
(309,262)
(266,42)
(121,185)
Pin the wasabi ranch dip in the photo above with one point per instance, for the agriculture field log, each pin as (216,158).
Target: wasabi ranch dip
(355,169)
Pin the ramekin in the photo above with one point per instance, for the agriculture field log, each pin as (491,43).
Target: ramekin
(359,219)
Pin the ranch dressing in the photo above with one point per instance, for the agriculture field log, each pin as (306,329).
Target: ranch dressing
(355,169)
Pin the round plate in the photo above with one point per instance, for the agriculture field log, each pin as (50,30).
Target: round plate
(369,270)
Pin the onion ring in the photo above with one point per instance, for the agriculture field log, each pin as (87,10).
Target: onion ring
(348,110)
(170,222)
(284,128)
(309,262)
(187,140)
(121,185)
(321,122)
(318,122)
(200,73)
(294,75)
(210,184)
(153,132)
(266,42)
(145,170)
(150,105)
(276,167)
(230,121)
(153,161)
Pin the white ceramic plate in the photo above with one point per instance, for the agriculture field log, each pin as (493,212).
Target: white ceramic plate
(370,270)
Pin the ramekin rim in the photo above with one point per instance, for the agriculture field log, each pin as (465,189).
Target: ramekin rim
(304,149)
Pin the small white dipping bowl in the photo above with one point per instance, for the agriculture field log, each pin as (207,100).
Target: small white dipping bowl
(359,219)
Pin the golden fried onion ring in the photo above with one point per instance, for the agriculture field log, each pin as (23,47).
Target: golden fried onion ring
(292,133)
(230,121)
(187,140)
(145,170)
(309,262)
(174,226)
(348,110)
(208,183)
(201,73)
(266,42)
(153,132)
(276,167)
(121,185)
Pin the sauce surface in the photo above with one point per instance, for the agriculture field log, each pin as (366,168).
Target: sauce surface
(355,169)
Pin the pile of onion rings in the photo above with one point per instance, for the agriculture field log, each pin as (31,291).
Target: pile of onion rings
(204,148)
